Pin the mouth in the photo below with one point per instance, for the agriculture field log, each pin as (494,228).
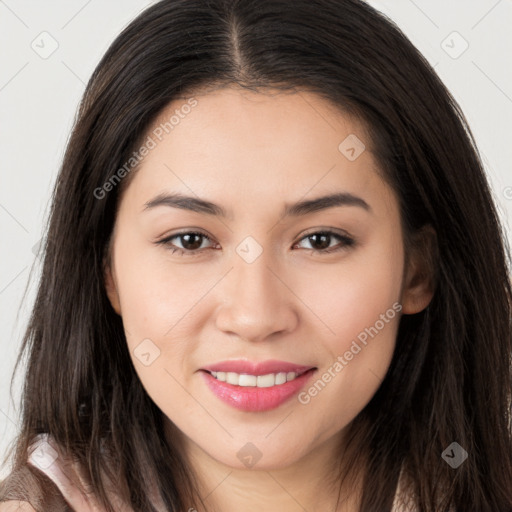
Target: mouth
(259,381)
(256,387)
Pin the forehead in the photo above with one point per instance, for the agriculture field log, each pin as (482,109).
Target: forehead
(237,144)
(255,118)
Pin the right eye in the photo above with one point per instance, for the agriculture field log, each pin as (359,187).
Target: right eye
(191,242)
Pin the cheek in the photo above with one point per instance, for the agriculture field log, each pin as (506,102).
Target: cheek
(362,308)
(346,296)
(156,307)
(352,296)
(154,296)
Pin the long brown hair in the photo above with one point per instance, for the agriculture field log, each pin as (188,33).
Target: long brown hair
(450,379)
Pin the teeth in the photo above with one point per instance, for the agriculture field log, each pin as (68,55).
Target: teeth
(247,380)
(266,381)
(281,378)
(232,378)
(260,381)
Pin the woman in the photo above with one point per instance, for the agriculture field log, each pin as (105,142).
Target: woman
(274,278)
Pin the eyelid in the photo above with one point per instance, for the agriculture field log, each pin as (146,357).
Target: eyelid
(332,231)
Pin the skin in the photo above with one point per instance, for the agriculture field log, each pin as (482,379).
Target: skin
(252,153)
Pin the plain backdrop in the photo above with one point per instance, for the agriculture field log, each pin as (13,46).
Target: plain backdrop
(50,48)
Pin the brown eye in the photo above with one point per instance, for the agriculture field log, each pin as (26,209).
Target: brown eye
(189,242)
(321,241)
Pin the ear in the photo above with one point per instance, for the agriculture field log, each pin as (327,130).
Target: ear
(420,274)
(110,284)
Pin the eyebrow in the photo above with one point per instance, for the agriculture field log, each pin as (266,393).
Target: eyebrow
(195,204)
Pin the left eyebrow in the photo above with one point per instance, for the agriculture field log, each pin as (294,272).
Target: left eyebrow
(324,202)
(299,208)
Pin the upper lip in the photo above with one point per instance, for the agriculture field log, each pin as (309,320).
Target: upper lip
(253,368)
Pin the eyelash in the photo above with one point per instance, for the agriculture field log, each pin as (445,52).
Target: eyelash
(347,242)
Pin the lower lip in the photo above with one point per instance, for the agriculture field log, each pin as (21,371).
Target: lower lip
(254,399)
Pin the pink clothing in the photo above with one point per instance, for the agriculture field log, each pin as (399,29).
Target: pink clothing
(67,475)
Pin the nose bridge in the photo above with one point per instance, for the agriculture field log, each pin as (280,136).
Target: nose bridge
(254,281)
(256,303)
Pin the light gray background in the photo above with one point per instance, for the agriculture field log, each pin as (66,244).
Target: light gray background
(39,94)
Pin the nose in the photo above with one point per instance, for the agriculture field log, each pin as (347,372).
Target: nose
(256,301)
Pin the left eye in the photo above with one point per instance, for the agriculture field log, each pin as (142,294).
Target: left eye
(320,242)
(324,239)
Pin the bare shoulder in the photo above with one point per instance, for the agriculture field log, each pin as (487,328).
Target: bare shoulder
(16,506)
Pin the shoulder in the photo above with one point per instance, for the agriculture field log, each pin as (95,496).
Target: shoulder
(16,506)
(28,490)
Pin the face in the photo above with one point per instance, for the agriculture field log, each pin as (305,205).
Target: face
(292,300)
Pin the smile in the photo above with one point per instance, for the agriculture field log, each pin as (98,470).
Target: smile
(256,387)
(259,381)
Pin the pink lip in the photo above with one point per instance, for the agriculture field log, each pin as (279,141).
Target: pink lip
(254,399)
(263,368)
